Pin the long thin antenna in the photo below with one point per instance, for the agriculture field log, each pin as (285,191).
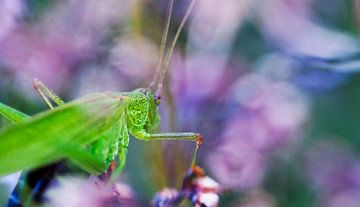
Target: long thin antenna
(162,46)
(171,50)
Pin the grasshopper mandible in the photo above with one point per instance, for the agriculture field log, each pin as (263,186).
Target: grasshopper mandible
(92,130)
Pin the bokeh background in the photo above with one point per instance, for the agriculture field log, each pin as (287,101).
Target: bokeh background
(273,86)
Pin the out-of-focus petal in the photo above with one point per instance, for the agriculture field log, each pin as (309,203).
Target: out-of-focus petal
(293,32)
(135,57)
(11,11)
(236,166)
(257,199)
(71,192)
(215,22)
(283,109)
(347,198)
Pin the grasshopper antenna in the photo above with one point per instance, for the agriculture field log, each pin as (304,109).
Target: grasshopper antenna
(162,47)
(166,62)
(163,65)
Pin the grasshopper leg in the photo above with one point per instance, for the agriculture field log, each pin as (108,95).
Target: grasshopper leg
(120,165)
(181,136)
(47,94)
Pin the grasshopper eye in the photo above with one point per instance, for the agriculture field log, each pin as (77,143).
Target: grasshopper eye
(157,100)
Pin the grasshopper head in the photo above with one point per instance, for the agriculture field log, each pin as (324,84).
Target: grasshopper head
(152,116)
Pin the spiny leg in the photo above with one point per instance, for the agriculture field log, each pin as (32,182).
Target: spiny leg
(180,136)
(47,94)
(116,171)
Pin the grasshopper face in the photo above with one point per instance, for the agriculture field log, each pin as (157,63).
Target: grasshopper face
(142,110)
(153,115)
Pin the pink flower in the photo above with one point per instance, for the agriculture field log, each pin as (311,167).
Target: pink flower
(66,36)
(74,192)
(257,199)
(11,11)
(334,173)
(347,198)
(269,116)
(331,167)
(278,108)
(135,57)
(237,166)
(288,24)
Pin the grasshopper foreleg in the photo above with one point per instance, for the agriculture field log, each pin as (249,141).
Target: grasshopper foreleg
(181,136)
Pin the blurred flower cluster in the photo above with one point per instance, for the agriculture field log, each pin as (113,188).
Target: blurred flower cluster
(74,191)
(334,173)
(263,81)
(197,187)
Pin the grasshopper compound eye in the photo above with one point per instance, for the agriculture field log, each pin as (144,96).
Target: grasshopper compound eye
(157,99)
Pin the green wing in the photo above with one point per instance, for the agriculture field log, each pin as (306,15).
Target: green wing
(48,136)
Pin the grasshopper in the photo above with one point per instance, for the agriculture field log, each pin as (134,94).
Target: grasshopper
(92,131)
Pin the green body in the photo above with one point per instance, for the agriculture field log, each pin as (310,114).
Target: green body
(102,151)
(90,131)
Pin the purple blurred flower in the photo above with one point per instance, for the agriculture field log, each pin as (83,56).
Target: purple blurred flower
(281,109)
(67,35)
(211,34)
(72,192)
(335,173)
(347,198)
(165,198)
(124,194)
(206,192)
(291,29)
(257,199)
(331,167)
(30,56)
(269,116)
(214,25)
(303,75)
(200,189)
(200,77)
(11,11)
(96,78)
(135,57)
(236,166)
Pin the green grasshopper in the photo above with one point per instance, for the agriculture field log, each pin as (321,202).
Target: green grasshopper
(93,130)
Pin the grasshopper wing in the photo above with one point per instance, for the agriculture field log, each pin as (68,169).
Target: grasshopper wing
(43,138)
